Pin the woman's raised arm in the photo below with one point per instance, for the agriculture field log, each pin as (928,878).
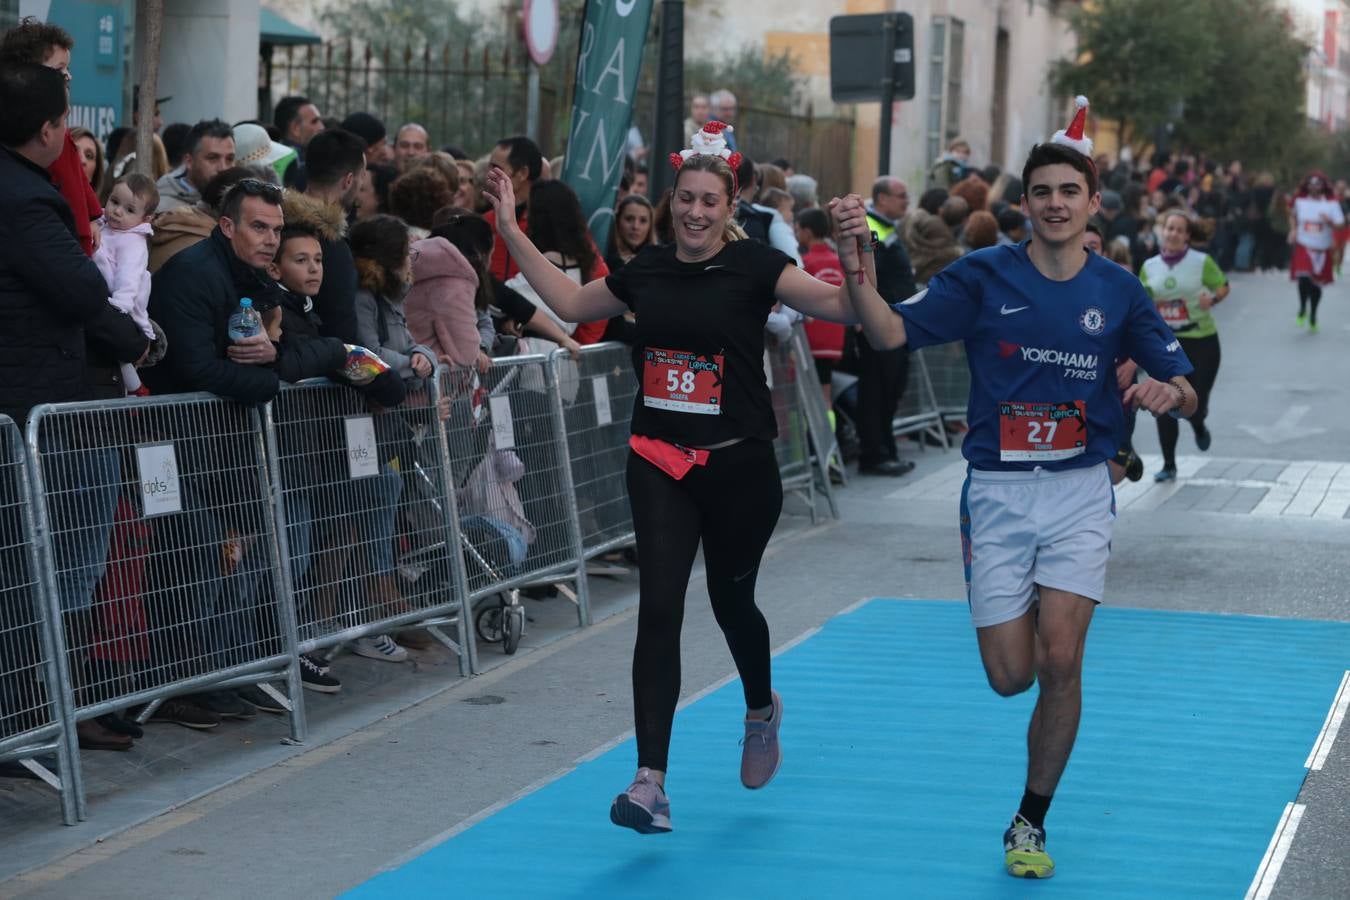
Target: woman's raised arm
(572,303)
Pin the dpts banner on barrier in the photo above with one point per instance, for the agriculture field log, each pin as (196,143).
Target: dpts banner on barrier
(613,35)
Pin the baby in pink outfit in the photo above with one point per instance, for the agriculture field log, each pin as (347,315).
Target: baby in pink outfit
(124,256)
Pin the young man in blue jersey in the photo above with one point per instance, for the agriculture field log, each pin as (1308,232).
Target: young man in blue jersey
(1043,322)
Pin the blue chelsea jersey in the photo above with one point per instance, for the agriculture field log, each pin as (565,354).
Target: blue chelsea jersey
(1042,354)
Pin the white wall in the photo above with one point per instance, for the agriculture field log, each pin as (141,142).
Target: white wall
(1037,37)
(209,60)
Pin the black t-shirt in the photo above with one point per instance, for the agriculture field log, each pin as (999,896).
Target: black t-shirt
(701,326)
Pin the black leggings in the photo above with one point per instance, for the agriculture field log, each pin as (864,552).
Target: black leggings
(732,504)
(1309,295)
(1204,355)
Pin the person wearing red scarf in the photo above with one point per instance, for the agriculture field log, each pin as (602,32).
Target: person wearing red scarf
(67,174)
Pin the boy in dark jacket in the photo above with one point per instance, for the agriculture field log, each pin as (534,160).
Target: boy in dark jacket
(315,480)
(302,349)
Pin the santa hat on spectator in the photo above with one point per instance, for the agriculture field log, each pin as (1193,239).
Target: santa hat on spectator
(708,141)
(1073,135)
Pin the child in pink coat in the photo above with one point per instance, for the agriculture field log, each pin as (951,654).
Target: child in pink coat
(124,256)
(440,306)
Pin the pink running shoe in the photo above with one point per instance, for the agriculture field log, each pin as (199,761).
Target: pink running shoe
(760,753)
(644,807)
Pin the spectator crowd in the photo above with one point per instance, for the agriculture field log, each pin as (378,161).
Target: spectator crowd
(355,242)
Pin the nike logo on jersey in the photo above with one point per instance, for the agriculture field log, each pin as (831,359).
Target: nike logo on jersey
(1007,312)
(710,268)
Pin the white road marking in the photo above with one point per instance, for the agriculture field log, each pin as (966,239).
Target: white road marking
(1271,863)
(1287,486)
(1326,739)
(1285,428)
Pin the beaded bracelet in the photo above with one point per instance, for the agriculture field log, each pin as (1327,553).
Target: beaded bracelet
(1181,392)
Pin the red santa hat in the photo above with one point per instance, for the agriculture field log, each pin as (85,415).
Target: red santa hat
(709,141)
(1073,135)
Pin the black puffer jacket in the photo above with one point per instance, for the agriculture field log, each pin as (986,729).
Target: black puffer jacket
(304,352)
(192,299)
(52,297)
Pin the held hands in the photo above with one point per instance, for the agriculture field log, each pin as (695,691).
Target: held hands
(257,350)
(1158,397)
(850,218)
(502,196)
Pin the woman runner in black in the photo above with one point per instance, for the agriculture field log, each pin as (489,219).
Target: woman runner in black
(703,466)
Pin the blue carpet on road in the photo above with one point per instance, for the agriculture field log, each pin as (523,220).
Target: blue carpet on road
(901,769)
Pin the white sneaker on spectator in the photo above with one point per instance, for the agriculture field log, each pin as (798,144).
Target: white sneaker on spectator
(381,646)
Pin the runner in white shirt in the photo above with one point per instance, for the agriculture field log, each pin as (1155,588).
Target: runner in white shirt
(1314,217)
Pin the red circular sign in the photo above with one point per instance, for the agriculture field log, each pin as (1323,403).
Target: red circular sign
(540,23)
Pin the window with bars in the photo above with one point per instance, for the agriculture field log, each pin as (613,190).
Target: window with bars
(947,37)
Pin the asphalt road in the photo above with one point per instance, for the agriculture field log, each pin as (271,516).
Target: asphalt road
(396,775)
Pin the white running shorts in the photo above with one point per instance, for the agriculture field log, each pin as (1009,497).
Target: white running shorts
(1022,529)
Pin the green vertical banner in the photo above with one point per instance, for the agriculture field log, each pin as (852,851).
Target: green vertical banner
(613,36)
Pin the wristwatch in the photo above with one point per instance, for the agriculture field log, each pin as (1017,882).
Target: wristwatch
(870,246)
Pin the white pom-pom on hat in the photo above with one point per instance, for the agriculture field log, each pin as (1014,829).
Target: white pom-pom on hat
(1073,135)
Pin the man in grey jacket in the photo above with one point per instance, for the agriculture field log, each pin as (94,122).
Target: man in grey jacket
(208,150)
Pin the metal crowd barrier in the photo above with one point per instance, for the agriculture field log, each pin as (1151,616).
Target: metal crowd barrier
(950,375)
(159,551)
(154,547)
(513,485)
(825,456)
(33,693)
(792,446)
(917,412)
(598,419)
(366,515)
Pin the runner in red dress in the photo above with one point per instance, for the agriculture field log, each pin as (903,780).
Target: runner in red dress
(1314,217)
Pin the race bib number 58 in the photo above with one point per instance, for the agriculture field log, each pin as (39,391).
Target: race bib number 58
(682,381)
(1041,432)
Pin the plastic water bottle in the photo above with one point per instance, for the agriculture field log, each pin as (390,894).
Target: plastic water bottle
(245,322)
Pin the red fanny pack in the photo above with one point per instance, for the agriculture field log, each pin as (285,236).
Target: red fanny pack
(674,460)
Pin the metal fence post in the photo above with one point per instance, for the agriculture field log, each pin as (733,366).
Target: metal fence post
(283,584)
(824,445)
(468,660)
(47,578)
(569,491)
(58,731)
(791,447)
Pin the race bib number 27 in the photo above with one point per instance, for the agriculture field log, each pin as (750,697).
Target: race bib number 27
(682,381)
(1041,432)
